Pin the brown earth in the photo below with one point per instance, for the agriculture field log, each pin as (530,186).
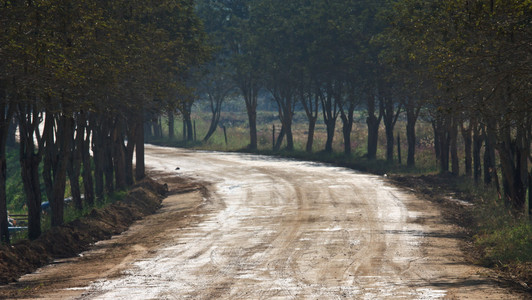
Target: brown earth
(77,236)
(457,208)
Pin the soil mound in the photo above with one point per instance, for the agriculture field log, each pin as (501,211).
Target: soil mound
(70,239)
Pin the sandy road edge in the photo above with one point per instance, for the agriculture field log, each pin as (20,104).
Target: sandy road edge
(71,239)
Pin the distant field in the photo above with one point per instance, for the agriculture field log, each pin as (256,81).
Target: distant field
(238,135)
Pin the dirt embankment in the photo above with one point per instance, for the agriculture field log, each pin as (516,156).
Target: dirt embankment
(457,208)
(75,237)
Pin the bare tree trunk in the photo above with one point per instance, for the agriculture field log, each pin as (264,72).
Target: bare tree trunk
(347,125)
(390,119)
(119,157)
(88,183)
(444,135)
(279,140)
(477,145)
(74,165)
(129,150)
(466,135)
(64,138)
(6,116)
(310,135)
(330,110)
(98,151)
(108,158)
(453,132)
(373,123)
(140,168)
(171,124)
(30,157)
(490,171)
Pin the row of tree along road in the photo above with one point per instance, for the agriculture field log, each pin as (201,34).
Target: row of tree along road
(464,64)
(92,71)
(78,77)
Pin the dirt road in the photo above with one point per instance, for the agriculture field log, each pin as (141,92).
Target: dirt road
(273,229)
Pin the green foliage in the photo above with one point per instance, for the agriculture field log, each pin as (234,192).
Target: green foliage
(509,242)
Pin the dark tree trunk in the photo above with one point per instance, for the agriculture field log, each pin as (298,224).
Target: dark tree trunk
(444,143)
(252,119)
(129,151)
(390,119)
(98,151)
(330,110)
(466,135)
(11,134)
(119,157)
(140,168)
(347,125)
(399,159)
(453,133)
(373,123)
(490,171)
(88,183)
(413,109)
(108,158)
(436,125)
(215,119)
(30,158)
(477,145)
(74,165)
(6,116)
(279,140)
(171,124)
(310,103)
(513,157)
(310,135)
(411,140)
(59,165)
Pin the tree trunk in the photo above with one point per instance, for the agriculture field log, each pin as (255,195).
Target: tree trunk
(411,140)
(171,124)
(74,165)
(252,118)
(310,135)
(64,139)
(453,132)
(436,124)
(477,145)
(4,224)
(108,159)
(373,123)
(98,151)
(289,135)
(88,183)
(466,135)
(215,118)
(347,126)
(390,119)
(140,168)
(6,117)
(129,151)
(28,116)
(280,139)
(119,157)
(490,171)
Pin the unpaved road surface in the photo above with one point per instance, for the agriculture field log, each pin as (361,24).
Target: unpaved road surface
(268,228)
